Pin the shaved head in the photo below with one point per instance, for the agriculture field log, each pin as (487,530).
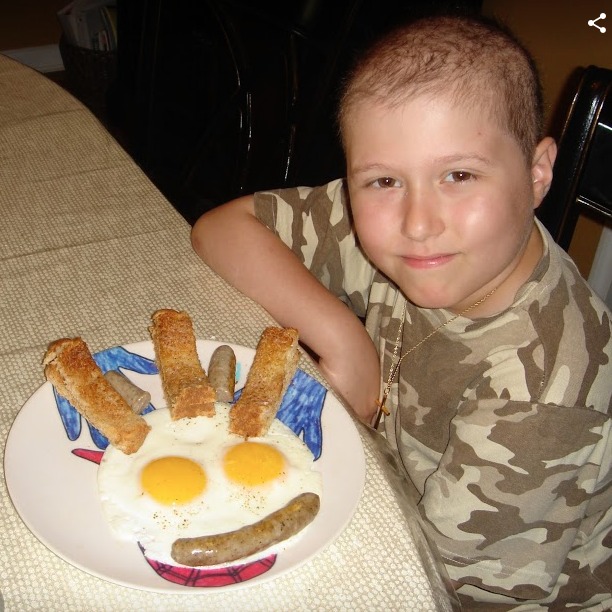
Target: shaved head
(476,62)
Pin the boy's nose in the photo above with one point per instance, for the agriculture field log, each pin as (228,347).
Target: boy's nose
(421,215)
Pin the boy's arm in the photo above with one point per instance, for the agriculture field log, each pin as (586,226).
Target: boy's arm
(242,250)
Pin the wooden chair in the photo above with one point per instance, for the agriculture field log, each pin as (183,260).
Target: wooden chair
(583,169)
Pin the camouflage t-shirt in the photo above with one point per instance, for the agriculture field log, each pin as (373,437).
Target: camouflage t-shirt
(504,423)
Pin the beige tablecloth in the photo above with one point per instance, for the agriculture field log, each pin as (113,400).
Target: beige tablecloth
(89,247)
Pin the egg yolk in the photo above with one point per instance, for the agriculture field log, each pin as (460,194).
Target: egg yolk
(253,463)
(173,480)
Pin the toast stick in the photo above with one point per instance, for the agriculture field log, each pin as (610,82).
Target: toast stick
(184,381)
(275,363)
(71,369)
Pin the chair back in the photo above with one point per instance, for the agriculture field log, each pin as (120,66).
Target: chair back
(582,179)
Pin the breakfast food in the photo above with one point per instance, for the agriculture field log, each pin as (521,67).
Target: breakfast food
(222,373)
(71,369)
(138,399)
(186,387)
(274,528)
(200,482)
(192,479)
(275,363)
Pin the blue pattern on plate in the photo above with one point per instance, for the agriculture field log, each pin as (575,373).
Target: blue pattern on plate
(301,410)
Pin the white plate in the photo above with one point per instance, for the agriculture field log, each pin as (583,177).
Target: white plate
(55,492)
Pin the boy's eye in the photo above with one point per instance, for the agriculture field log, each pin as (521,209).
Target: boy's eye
(385,182)
(458,176)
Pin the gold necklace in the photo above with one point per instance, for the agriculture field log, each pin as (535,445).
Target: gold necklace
(395,365)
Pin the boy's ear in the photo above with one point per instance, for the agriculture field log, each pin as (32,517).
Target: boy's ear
(542,169)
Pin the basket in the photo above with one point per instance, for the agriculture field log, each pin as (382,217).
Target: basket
(89,73)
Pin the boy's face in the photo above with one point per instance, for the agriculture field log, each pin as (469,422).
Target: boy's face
(443,201)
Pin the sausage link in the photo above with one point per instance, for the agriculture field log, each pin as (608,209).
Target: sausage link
(137,398)
(222,373)
(251,539)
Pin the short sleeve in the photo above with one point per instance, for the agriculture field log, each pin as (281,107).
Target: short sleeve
(315,223)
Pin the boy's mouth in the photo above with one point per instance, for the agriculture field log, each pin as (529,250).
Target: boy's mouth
(426,262)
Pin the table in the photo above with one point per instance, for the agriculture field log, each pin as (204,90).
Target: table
(89,247)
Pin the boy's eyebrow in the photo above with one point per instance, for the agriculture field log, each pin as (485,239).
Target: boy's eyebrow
(368,168)
(453,158)
(462,157)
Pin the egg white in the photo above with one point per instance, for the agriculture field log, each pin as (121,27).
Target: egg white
(223,505)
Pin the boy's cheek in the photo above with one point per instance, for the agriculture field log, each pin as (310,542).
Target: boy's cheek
(366,228)
(374,241)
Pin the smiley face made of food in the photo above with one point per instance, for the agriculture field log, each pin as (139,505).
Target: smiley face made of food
(212,488)
(192,478)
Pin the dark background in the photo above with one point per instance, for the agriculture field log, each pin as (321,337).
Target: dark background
(218,98)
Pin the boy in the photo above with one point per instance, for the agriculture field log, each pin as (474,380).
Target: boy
(494,353)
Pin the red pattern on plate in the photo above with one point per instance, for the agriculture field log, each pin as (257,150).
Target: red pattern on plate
(94,456)
(216,577)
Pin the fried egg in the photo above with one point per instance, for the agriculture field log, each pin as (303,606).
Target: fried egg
(191,478)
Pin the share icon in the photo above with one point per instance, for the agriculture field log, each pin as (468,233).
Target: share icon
(593,22)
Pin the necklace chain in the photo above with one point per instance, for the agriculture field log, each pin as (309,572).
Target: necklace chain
(396,364)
